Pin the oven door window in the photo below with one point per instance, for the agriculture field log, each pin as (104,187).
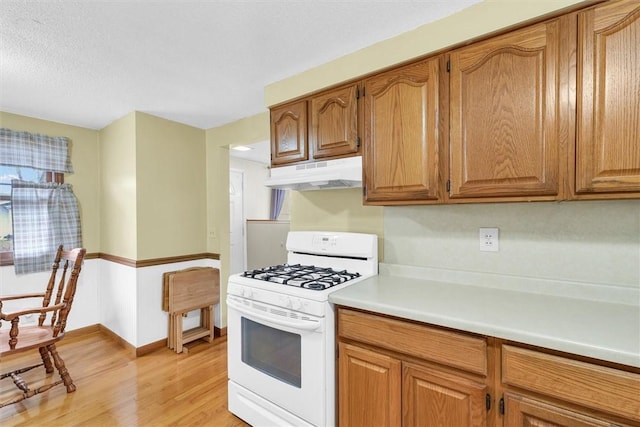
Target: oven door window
(272,351)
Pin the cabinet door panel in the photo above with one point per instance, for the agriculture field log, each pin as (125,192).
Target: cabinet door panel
(289,133)
(436,399)
(334,118)
(505,134)
(369,388)
(401,134)
(608,137)
(524,412)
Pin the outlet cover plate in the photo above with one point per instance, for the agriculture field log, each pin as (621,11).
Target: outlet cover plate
(489,239)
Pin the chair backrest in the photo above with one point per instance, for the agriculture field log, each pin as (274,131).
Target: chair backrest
(71,263)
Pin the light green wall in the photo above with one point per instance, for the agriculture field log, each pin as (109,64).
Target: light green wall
(336,210)
(171,188)
(85,158)
(119,188)
(153,188)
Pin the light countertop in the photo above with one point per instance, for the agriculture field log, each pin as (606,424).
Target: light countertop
(572,321)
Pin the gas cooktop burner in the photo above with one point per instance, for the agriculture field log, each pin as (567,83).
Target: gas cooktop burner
(302,276)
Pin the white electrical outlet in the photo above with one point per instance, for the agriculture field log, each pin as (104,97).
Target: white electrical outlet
(489,241)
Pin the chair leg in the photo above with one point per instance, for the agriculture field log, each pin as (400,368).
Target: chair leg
(64,374)
(46,360)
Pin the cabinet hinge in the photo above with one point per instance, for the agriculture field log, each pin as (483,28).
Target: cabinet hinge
(448,185)
(358,142)
(487,401)
(502,405)
(364,191)
(357,93)
(448,66)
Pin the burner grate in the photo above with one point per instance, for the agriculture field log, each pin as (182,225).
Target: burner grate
(302,276)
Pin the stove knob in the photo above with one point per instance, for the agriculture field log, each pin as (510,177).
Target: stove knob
(296,304)
(285,301)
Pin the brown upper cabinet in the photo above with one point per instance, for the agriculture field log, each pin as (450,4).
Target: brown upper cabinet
(608,101)
(506,115)
(289,133)
(333,131)
(321,127)
(550,111)
(401,139)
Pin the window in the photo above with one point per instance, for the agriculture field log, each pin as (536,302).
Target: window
(7,173)
(43,209)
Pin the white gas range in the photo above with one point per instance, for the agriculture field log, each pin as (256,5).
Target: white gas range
(281,329)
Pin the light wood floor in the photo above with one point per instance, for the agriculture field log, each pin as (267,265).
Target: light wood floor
(114,389)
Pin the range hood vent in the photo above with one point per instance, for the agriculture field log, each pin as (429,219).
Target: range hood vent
(323,175)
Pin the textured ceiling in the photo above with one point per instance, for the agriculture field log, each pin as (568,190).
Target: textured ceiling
(202,63)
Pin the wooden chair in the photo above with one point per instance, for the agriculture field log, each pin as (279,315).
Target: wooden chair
(49,329)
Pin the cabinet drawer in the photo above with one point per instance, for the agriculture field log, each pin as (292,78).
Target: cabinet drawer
(426,342)
(593,386)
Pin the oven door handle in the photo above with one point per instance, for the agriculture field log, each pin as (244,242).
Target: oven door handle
(301,325)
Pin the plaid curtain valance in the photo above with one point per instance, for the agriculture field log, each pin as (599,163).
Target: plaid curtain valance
(35,151)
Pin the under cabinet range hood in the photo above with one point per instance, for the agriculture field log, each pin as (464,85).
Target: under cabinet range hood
(321,175)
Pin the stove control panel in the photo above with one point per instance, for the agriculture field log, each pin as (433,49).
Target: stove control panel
(277,299)
(294,303)
(324,242)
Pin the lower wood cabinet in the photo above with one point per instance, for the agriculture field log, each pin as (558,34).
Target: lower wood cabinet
(380,390)
(386,385)
(394,372)
(577,392)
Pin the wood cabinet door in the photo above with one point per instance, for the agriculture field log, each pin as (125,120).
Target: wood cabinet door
(333,130)
(369,389)
(524,412)
(289,133)
(432,398)
(608,99)
(505,130)
(401,141)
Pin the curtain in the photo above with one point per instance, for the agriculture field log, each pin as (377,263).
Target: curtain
(45,215)
(277,199)
(35,151)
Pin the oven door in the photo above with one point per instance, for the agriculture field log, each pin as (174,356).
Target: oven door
(278,357)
